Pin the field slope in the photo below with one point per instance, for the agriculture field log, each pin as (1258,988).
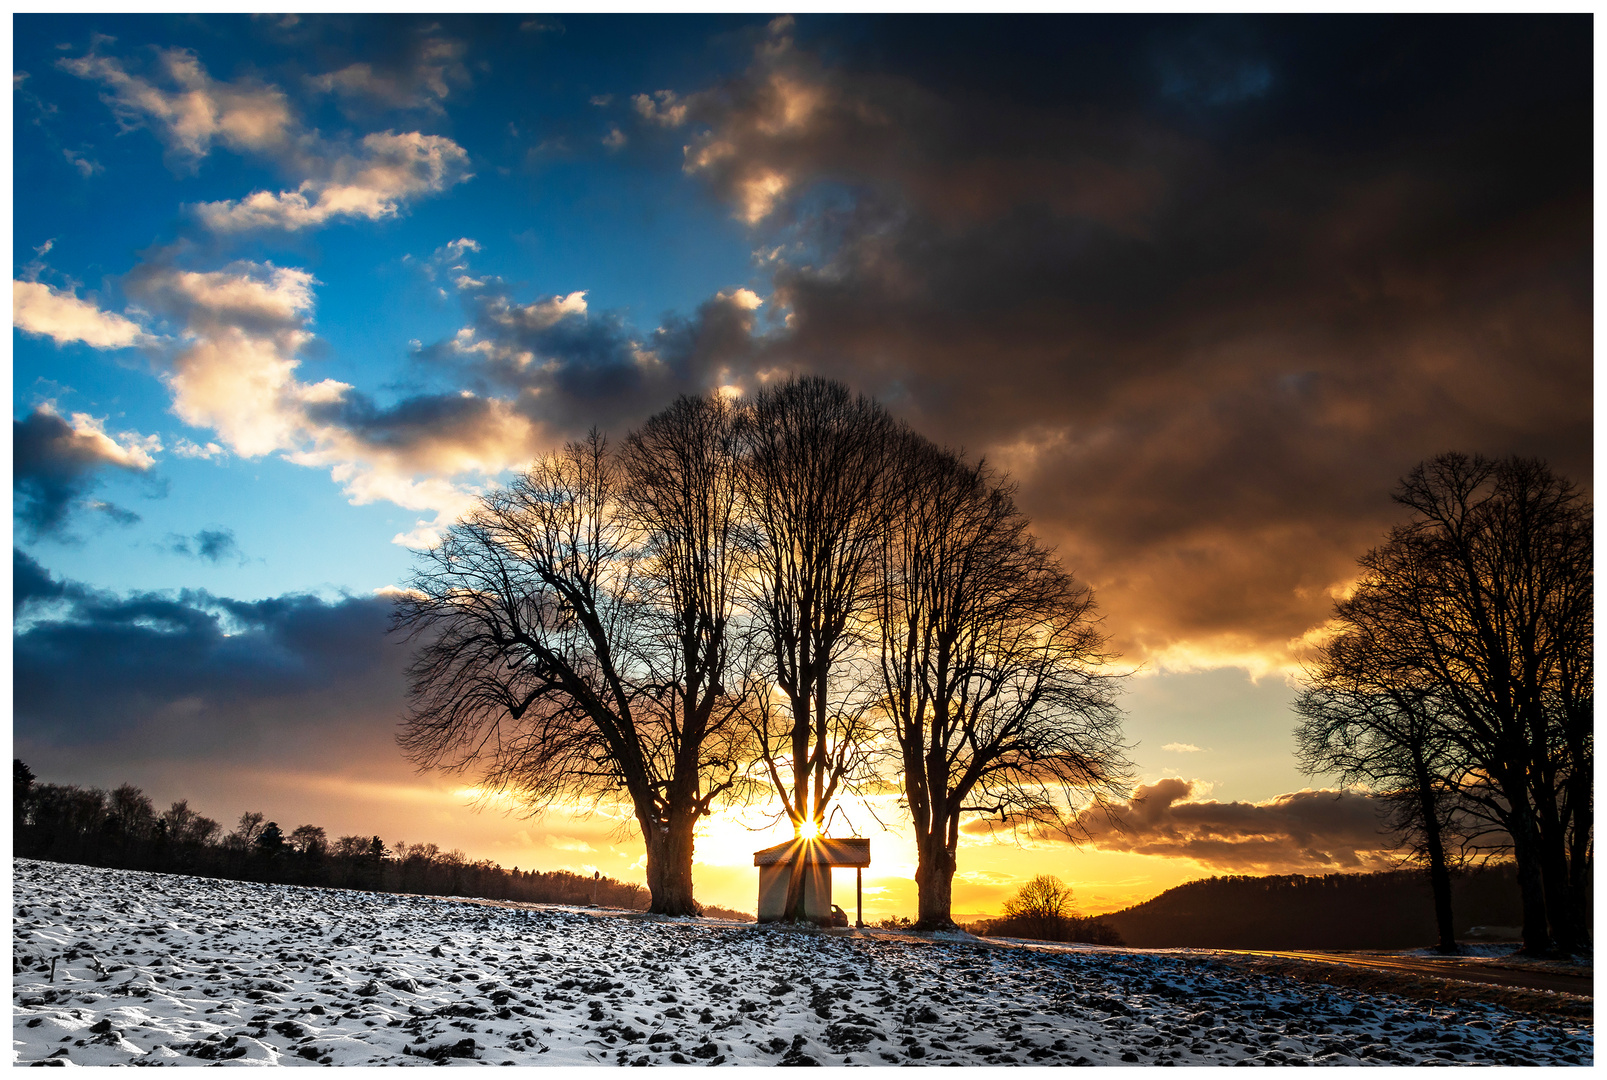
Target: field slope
(120,967)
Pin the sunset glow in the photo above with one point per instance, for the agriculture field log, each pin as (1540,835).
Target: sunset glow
(292,295)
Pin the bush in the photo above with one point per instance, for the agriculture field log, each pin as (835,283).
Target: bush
(1042,911)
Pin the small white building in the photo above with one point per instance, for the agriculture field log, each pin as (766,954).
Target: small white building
(815,859)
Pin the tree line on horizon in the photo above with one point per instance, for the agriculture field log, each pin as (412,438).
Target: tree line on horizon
(791,596)
(1457,684)
(122,829)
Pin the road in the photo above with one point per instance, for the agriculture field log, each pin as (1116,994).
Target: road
(1449,968)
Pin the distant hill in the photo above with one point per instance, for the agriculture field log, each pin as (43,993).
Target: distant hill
(1392,910)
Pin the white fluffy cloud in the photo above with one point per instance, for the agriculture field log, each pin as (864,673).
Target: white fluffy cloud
(189,111)
(746,299)
(36,308)
(128,450)
(371,183)
(662,107)
(205,451)
(746,148)
(540,314)
(234,371)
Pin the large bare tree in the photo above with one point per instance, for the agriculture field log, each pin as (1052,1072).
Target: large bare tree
(681,494)
(574,634)
(1481,599)
(993,669)
(1395,740)
(815,463)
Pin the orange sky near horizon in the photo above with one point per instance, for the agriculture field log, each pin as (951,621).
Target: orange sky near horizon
(1182,725)
(440,810)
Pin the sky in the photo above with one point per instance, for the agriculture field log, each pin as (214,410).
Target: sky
(290,293)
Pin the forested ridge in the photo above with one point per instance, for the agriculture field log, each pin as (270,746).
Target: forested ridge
(1390,910)
(123,829)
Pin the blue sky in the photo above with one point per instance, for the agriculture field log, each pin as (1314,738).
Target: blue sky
(289,292)
(552,209)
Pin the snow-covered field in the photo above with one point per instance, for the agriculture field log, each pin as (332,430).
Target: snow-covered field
(155,969)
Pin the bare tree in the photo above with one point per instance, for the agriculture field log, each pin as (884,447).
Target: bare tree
(309,840)
(247,831)
(816,459)
(1480,599)
(132,813)
(1040,904)
(567,649)
(991,665)
(1396,742)
(353,847)
(681,495)
(187,827)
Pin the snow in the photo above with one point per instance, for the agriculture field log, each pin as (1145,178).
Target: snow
(1497,950)
(1504,954)
(159,969)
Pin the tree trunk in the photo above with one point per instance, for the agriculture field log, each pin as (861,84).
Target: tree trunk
(1531,884)
(669,866)
(1582,820)
(934,881)
(1560,901)
(1439,880)
(1439,874)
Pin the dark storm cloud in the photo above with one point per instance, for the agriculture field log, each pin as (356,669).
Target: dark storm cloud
(31,582)
(196,677)
(1311,829)
(1213,63)
(566,368)
(1208,299)
(413,425)
(54,466)
(1301,831)
(211,545)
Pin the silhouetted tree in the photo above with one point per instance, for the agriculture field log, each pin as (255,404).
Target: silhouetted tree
(1395,741)
(573,635)
(67,822)
(1044,897)
(816,461)
(187,827)
(352,848)
(1481,600)
(130,825)
(308,840)
(270,841)
(990,663)
(246,832)
(1042,909)
(681,496)
(22,779)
